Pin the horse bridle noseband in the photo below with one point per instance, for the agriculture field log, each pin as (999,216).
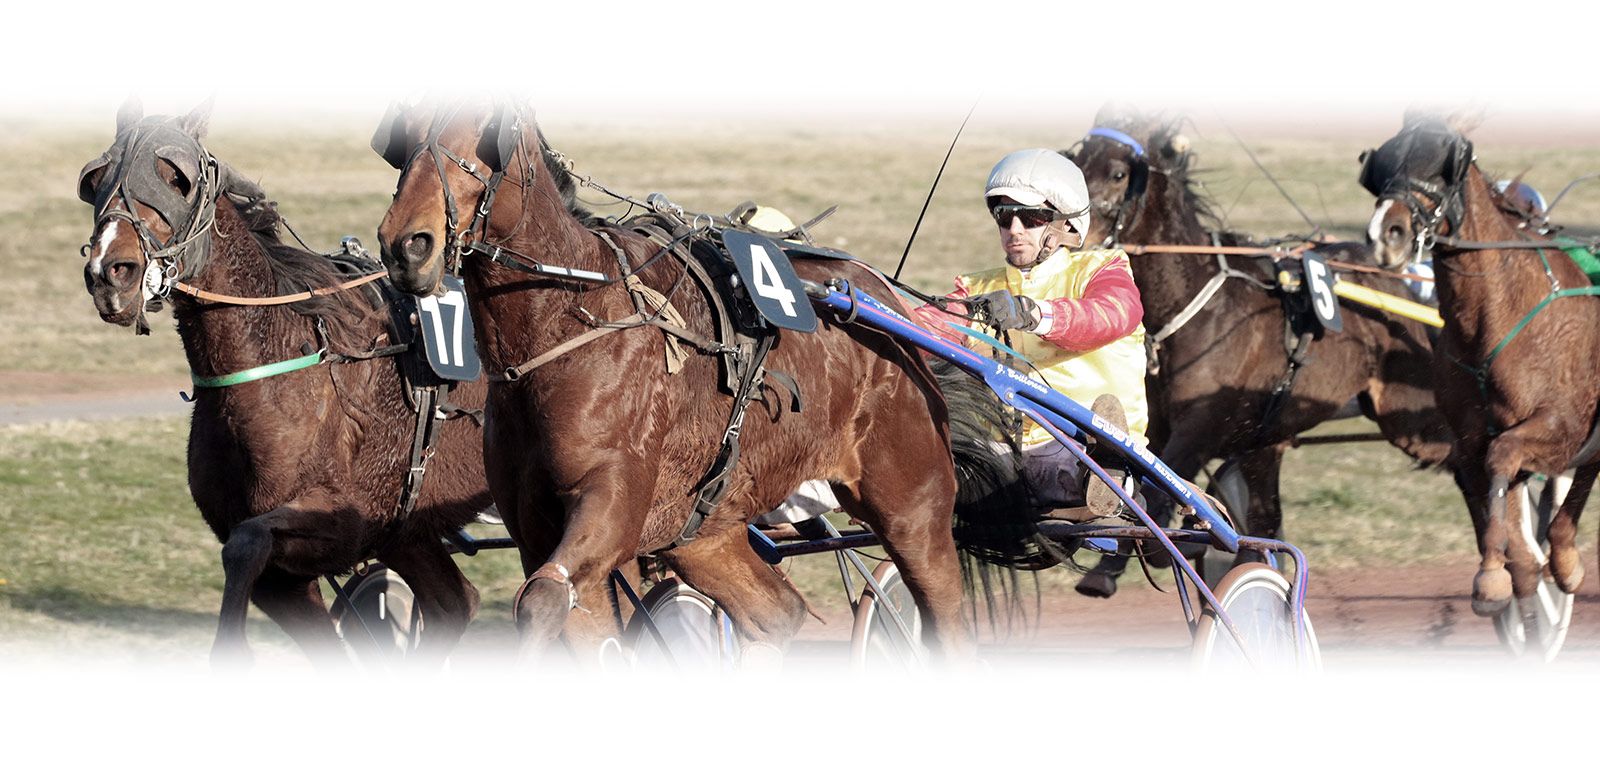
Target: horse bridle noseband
(135,182)
(507,147)
(1445,196)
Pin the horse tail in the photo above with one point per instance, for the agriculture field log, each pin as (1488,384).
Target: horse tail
(996,517)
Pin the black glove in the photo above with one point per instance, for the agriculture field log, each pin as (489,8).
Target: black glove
(1005,311)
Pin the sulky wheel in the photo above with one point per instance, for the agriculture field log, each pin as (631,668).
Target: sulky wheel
(375,614)
(1540,620)
(1256,598)
(879,641)
(691,634)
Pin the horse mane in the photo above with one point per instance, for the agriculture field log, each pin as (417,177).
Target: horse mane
(566,183)
(295,269)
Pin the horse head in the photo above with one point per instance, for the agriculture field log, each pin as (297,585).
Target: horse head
(153,193)
(1117,157)
(452,161)
(1418,177)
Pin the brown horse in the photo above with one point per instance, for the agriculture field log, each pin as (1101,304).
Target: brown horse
(596,456)
(1212,394)
(1519,401)
(298,474)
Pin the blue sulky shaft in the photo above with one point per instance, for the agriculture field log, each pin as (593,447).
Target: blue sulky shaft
(1062,413)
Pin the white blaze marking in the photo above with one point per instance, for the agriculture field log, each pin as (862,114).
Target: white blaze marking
(106,235)
(1374,228)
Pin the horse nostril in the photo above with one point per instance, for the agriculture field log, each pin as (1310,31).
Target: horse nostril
(417,247)
(121,274)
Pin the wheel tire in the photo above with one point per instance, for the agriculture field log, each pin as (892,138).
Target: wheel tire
(1256,598)
(876,642)
(1547,613)
(377,617)
(699,637)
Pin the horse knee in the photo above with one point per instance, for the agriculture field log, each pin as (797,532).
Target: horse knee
(247,550)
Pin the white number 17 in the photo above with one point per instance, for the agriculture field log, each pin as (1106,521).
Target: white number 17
(430,305)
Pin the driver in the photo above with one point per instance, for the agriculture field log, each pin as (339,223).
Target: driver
(1075,314)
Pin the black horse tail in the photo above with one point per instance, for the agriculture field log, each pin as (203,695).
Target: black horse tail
(996,515)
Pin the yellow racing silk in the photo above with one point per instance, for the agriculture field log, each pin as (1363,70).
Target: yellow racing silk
(1116,368)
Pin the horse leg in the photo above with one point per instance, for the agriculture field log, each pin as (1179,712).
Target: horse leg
(910,510)
(1264,513)
(1497,582)
(305,530)
(1565,564)
(294,602)
(448,601)
(567,595)
(765,608)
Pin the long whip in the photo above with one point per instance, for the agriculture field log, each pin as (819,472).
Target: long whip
(1315,227)
(932,189)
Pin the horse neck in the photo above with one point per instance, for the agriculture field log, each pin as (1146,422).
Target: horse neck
(1484,293)
(519,317)
(1167,282)
(221,339)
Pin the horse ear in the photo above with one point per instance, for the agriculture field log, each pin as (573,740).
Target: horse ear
(198,120)
(129,113)
(501,137)
(389,140)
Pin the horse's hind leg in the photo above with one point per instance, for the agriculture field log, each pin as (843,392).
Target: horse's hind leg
(910,506)
(447,599)
(1565,563)
(765,608)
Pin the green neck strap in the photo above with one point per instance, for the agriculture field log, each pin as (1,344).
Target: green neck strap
(258,373)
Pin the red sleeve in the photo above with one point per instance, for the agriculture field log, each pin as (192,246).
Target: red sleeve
(1109,310)
(935,319)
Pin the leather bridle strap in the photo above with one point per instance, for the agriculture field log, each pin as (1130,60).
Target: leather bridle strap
(213,297)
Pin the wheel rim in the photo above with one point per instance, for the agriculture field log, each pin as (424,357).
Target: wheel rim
(1256,599)
(696,633)
(877,642)
(376,617)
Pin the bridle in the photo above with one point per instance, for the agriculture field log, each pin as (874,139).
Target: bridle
(134,180)
(1445,202)
(1138,179)
(507,147)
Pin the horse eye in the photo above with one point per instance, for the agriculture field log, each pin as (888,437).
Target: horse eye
(174,177)
(1118,175)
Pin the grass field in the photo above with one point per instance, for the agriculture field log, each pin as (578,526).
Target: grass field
(99,541)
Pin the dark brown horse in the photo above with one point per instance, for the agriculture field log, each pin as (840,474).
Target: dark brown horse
(1212,394)
(298,474)
(1521,397)
(595,457)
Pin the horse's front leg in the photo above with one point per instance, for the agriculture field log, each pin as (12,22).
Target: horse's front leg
(1565,563)
(1496,582)
(298,538)
(567,595)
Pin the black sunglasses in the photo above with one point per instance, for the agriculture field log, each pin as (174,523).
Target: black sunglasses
(1032,217)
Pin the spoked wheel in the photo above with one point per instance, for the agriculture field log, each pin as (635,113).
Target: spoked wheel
(691,635)
(879,641)
(1538,622)
(375,614)
(1256,598)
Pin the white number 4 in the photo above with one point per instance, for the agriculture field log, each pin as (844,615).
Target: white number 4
(768,285)
(430,305)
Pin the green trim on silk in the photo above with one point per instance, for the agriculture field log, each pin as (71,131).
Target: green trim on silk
(258,373)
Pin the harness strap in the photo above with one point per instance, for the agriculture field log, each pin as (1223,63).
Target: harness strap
(715,485)
(1196,305)
(214,297)
(259,373)
(422,438)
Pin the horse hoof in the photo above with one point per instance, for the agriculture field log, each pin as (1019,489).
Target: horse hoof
(1567,569)
(1097,585)
(1491,592)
